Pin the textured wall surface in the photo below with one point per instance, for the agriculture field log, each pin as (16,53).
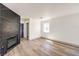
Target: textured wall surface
(9,25)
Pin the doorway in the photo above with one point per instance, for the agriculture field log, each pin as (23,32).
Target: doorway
(24,31)
(21,30)
(27,29)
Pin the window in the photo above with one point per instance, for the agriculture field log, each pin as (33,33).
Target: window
(46,27)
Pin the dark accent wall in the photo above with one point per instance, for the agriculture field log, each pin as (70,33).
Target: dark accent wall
(9,26)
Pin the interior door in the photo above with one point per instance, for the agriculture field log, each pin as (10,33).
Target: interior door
(21,30)
(27,28)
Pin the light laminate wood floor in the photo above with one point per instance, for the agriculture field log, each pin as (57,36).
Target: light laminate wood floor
(42,47)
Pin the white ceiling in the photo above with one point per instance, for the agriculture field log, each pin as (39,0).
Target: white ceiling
(37,10)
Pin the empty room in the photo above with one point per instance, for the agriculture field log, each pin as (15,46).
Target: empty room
(39,29)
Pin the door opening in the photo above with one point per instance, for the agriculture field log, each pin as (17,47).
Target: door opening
(21,30)
(27,29)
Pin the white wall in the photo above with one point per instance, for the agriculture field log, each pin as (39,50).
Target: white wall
(34,29)
(64,29)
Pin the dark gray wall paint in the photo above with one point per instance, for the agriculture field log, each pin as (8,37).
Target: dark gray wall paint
(9,25)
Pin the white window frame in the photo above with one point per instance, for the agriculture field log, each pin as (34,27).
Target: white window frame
(46,27)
